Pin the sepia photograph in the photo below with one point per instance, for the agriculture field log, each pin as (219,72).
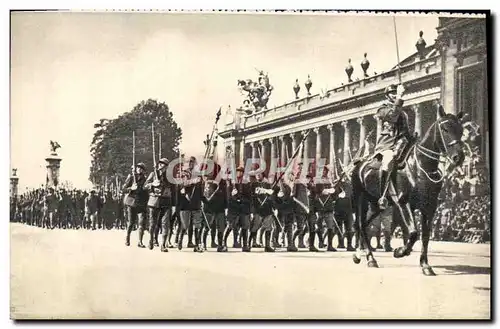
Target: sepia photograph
(257,165)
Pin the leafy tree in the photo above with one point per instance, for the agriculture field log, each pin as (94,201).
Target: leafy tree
(111,146)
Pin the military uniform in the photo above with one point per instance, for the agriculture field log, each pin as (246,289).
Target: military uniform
(92,208)
(189,204)
(161,200)
(263,217)
(305,209)
(394,136)
(135,201)
(286,207)
(326,195)
(239,209)
(214,207)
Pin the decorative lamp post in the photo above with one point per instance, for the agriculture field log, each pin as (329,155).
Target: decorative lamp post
(53,166)
(308,85)
(296,88)
(349,70)
(365,64)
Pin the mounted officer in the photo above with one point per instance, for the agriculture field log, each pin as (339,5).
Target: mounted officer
(394,138)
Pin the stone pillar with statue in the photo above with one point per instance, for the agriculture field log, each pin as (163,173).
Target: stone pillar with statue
(53,166)
(14,182)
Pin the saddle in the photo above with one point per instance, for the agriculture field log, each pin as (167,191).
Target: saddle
(400,161)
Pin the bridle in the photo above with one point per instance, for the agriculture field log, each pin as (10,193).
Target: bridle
(436,156)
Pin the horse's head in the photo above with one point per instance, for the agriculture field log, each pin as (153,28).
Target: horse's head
(448,135)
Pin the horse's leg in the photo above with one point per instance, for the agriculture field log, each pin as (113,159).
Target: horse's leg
(356,257)
(409,223)
(426,221)
(366,218)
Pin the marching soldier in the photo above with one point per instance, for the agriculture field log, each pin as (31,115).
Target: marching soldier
(51,205)
(305,213)
(161,204)
(135,201)
(286,207)
(239,208)
(326,195)
(189,203)
(92,208)
(263,217)
(214,208)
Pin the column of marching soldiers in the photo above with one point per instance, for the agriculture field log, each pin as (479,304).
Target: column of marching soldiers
(256,212)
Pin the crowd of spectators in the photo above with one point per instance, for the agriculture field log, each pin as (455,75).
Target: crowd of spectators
(464,211)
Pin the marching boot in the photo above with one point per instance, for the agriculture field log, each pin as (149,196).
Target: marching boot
(190,236)
(294,237)
(379,245)
(312,237)
(268,247)
(197,238)
(164,236)
(291,243)
(275,238)
(349,242)
(301,236)
(127,239)
(213,237)
(321,244)
(341,240)
(226,236)
(140,232)
(384,181)
(181,237)
(236,243)
(244,236)
(259,242)
(178,234)
(387,243)
(331,234)
(220,241)
(251,239)
(205,237)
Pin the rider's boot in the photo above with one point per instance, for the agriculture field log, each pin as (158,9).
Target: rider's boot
(384,181)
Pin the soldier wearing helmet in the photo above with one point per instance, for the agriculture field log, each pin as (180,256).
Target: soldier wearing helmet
(136,200)
(394,136)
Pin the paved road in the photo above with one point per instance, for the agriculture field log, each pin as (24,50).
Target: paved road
(91,274)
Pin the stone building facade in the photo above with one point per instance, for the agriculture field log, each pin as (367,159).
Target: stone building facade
(452,71)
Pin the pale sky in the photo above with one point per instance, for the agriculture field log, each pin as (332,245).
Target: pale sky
(68,70)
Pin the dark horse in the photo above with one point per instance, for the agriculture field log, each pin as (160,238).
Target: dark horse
(416,183)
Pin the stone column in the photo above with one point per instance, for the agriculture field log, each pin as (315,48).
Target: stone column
(317,131)
(254,151)
(379,127)
(418,118)
(306,147)
(296,137)
(362,131)
(14,181)
(347,142)
(283,155)
(273,153)
(263,150)
(332,144)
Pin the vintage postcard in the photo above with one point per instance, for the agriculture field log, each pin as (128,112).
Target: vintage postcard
(250,165)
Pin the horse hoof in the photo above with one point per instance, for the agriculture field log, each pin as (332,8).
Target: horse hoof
(399,252)
(355,259)
(428,271)
(373,264)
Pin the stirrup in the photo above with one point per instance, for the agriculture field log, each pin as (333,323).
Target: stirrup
(383,203)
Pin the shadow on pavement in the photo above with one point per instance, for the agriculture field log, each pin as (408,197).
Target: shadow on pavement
(464,269)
